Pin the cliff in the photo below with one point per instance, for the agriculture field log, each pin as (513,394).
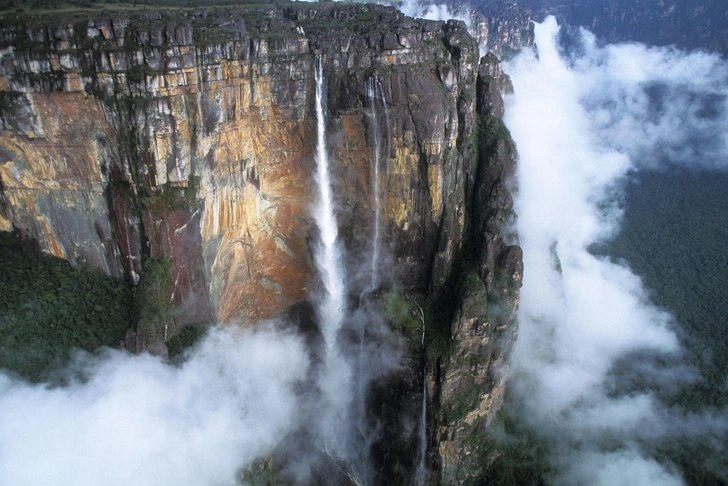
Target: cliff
(472,381)
(157,134)
(187,136)
(500,27)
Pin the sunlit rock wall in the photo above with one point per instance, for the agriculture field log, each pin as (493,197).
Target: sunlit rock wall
(189,135)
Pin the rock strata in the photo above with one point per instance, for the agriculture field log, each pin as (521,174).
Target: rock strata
(188,136)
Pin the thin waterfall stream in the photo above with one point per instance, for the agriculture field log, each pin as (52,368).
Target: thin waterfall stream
(373,85)
(377,139)
(421,475)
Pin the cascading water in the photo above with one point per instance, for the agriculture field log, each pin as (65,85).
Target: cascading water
(372,86)
(387,131)
(421,475)
(335,376)
(328,253)
(376,136)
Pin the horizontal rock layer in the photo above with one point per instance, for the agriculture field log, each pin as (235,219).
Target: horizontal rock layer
(190,135)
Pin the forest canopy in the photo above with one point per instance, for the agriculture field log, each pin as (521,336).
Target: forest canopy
(49,308)
(674,236)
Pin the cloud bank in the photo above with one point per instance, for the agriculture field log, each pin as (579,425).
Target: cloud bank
(135,420)
(583,117)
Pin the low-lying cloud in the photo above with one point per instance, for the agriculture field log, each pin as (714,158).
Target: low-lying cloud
(136,420)
(583,118)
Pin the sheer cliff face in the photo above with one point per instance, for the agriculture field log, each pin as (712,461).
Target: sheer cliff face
(190,135)
(502,27)
(472,381)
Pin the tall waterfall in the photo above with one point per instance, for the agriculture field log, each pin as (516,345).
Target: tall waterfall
(335,376)
(372,85)
(377,138)
(328,254)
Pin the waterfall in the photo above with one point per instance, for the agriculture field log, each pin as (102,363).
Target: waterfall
(328,254)
(335,376)
(421,474)
(388,131)
(372,86)
(375,93)
(377,139)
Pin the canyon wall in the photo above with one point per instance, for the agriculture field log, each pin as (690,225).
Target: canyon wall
(188,136)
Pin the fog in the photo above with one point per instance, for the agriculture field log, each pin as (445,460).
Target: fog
(136,420)
(429,11)
(584,116)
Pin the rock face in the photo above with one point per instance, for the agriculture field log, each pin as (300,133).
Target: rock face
(158,134)
(501,27)
(189,135)
(472,380)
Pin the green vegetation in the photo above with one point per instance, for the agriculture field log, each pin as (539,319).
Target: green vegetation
(49,307)
(674,236)
(404,316)
(489,133)
(139,73)
(187,337)
(169,197)
(520,457)
(260,473)
(439,312)
(462,402)
(152,306)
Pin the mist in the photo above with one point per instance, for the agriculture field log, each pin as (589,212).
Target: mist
(128,419)
(584,117)
(430,11)
(294,392)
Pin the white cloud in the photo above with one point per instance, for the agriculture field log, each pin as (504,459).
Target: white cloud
(581,124)
(430,11)
(136,420)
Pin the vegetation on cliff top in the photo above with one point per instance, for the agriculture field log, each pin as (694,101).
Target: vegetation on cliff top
(35,5)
